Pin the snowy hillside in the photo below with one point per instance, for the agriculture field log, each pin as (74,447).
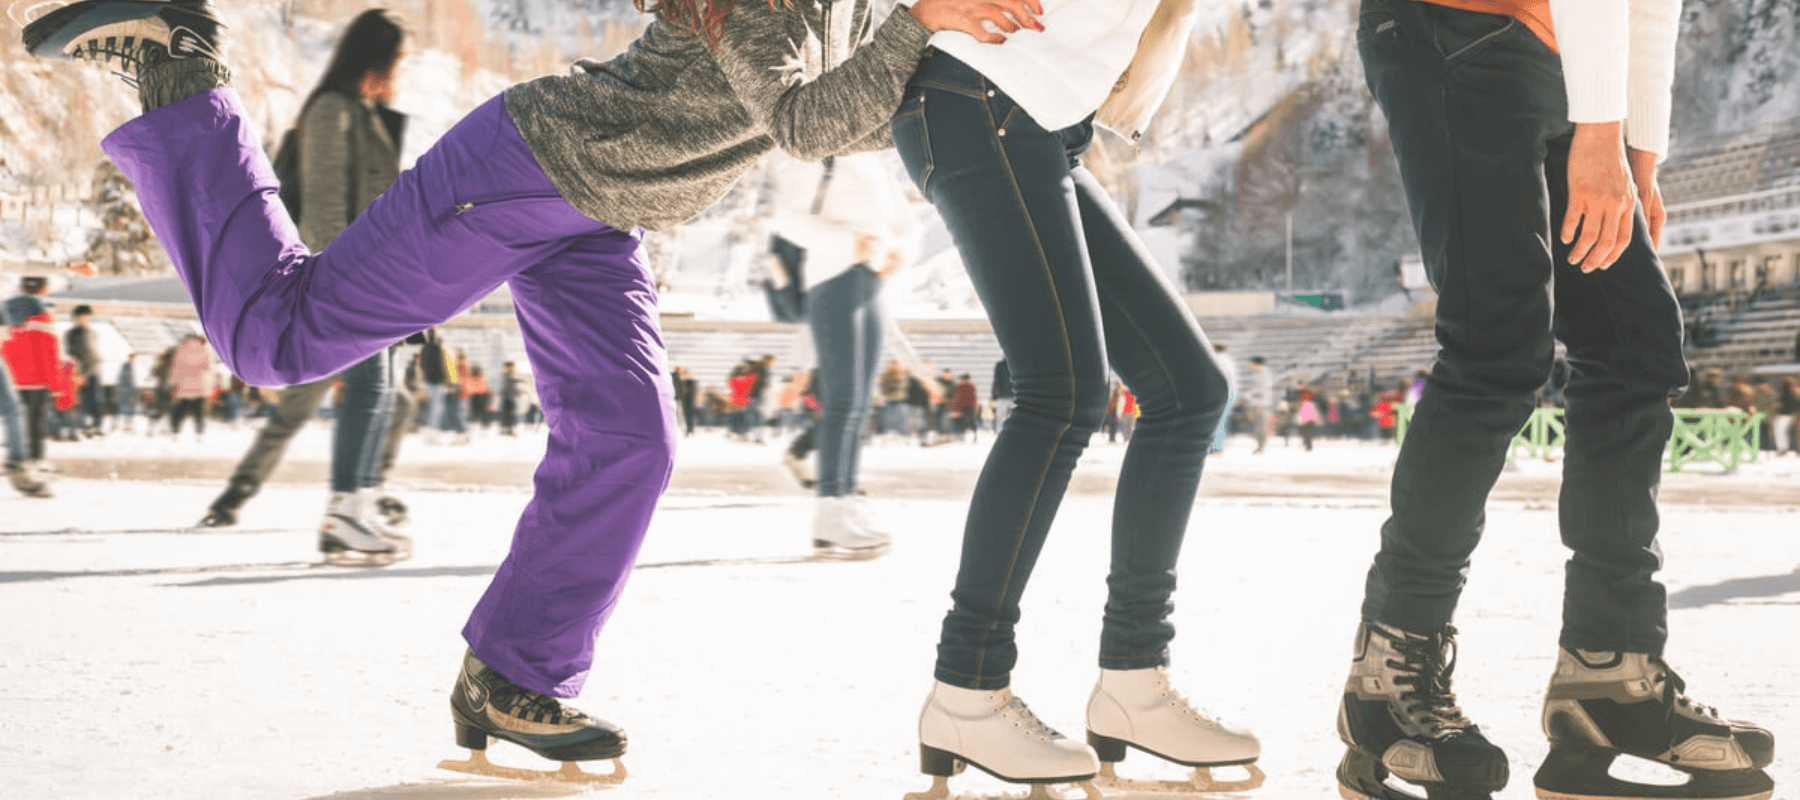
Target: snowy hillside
(1270,124)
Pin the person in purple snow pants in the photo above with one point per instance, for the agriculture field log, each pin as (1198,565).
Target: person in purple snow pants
(545,188)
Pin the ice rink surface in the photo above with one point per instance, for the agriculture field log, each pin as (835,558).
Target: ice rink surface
(140,658)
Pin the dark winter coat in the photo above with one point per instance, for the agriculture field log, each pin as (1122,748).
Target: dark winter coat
(78,342)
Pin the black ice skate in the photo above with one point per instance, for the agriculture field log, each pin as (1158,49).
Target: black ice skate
(118,30)
(1603,705)
(1400,719)
(484,703)
(392,511)
(223,511)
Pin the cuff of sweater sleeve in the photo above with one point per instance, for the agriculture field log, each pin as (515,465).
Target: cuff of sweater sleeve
(1647,125)
(902,39)
(1597,97)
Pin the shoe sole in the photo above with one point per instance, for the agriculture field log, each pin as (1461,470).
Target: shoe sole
(940,763)
(51,35)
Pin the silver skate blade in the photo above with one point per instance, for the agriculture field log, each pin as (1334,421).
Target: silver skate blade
(25,12)
(826,551)
(940,790)
(571,772)
(1200,781)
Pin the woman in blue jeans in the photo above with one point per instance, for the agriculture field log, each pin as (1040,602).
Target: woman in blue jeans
(349,144)
(851,219)
(544,188)
(992,135)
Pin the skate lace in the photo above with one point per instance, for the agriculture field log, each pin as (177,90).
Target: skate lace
(1028,723)
(128,51)
(526,704)
(1425,671)
(1673,695)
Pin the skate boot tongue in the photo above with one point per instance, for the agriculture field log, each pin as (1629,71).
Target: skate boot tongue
(1429,701)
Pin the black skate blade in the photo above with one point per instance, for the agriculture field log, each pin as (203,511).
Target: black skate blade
(571,772)
(1584,773)
(1200,781)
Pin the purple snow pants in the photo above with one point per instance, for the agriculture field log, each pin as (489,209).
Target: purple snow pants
(475,212)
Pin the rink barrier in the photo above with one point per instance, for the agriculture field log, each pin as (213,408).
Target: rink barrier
(1724,437)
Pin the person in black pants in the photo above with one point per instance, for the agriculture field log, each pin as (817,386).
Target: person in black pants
(1532,184)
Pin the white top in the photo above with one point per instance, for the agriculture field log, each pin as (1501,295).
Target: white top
(1061,75)
(1619,64)
(863,198)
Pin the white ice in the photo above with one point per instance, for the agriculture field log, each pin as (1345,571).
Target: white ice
(142,659)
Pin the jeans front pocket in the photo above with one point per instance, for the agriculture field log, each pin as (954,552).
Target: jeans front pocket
(913,139)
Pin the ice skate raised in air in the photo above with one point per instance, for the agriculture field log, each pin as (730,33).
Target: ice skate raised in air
(486,705)
(1139,709)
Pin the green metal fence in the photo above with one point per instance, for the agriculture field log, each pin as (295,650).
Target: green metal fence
(1702,436)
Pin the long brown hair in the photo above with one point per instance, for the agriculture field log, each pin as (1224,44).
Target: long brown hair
(703,18)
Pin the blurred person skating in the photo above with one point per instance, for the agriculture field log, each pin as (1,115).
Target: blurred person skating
(966,409)
(1531,175)
(481,398)
(1227,366)
(1002,393)
(1787,410)
(125,408)
(12,421)
(79,344)
(1308,417)
(437,371)
(1259,403)
(191,379)
(543,188)
(850,218)
(33,356)
(512,390)
(349,153)
(992,136)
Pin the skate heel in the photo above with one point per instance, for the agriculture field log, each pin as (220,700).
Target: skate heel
(471,737)
(1109,750)
(939,763)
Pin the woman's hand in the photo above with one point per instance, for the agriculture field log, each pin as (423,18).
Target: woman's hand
(968,16)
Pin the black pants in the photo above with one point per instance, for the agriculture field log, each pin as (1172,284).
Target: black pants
(186,407)
(37,421)
(1479,121)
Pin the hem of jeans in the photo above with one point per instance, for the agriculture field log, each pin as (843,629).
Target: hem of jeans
(984,683)
(1614,644)
(1134,662)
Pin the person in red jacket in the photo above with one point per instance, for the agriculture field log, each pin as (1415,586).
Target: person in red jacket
(34,357)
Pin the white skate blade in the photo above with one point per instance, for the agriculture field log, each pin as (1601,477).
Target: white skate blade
(571,772)
(1200,781)
(827,551)
(940,790)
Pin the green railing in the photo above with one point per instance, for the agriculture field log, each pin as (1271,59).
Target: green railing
(1701,436)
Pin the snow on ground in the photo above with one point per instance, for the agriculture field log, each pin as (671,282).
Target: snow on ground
(142,659)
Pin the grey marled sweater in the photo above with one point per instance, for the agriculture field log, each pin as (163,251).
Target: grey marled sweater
(658,134)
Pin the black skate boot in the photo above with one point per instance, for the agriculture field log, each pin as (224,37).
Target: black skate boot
(1601,705)
(392,511)
(166,49)
(26,483)
(1399,718)
(223,513)
(484,703)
